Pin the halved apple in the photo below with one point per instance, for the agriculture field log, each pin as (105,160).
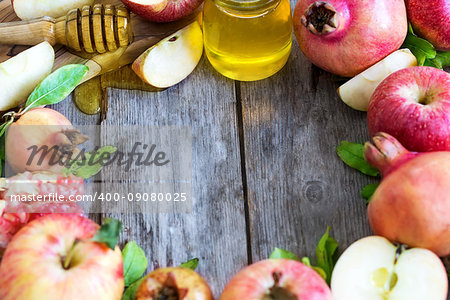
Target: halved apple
(172,59)
(357,91)
(20,74)
(374,269)
(31,9)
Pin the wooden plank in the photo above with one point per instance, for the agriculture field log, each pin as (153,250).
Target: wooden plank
(292,123)
(215,230)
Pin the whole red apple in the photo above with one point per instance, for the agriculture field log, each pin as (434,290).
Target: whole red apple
(431,19)
(174,283)
(162,11)
(345,37)
(277,279)
(413,105)
(54,258)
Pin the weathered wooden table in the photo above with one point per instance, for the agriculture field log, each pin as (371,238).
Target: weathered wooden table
(265,169)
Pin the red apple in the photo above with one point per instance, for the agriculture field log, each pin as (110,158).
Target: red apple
(431,19)
(39,127)
(277,279)
(174,283)
(345,37)
(413,105)
(54,258)
(162,11)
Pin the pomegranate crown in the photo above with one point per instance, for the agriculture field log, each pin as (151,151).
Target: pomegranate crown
(386,153)
(320,18)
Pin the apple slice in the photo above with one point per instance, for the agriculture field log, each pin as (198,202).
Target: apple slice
(22,73)
(31,9)
(172,59)
(357,91)
(374,269)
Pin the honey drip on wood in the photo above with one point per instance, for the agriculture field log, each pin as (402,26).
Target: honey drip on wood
(90,97)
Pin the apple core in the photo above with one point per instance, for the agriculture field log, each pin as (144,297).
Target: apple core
(277,292)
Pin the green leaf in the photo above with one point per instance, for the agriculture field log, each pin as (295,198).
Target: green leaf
(368,191)
(109,232)
(130,292)
(134,262)
(421,48)
(441,61)
(57,86)
(280,253)
(190,264)
(325,254)
(5,126)
(2,153)
(83,168)
(353,155)
(306,261)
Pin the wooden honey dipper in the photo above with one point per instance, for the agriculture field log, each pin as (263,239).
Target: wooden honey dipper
(95,29)
(94,38)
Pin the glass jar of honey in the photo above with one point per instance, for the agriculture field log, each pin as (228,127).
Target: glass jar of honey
(247,39)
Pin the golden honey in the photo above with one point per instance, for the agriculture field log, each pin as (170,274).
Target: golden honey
(247,39)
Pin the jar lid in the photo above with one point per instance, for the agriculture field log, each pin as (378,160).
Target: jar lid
(247,5)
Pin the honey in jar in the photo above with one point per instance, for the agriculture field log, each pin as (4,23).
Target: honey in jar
(247,39)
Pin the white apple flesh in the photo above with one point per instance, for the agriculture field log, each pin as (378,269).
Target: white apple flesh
(172,59)
(31,9)
(54,258)
(20,74)
(357,91)
(374,269)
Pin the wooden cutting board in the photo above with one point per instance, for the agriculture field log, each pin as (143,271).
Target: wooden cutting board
(90,97)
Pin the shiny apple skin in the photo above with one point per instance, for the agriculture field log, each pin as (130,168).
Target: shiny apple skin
(431,20)
(254,281)
(32,267)
(164,11)
(395,109)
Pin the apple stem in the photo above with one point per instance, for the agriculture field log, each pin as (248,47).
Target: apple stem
(68,258)
(320,18)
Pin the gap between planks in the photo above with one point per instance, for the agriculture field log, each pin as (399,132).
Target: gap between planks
(240,127)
